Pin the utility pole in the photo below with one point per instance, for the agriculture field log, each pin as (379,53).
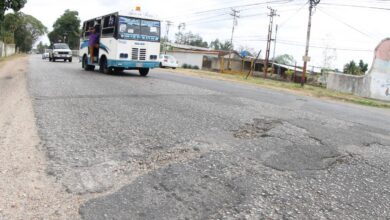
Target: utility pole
(235,14)
(169,24)
(306,58)
(273,56)
(267,52)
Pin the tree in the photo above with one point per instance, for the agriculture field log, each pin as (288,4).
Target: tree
(190,39)
(363,66)
(23,29)
(28,32)
(353,69)
(215,45)
(15,5)
(41,47)
(66,29)
(218,45)
(285,59)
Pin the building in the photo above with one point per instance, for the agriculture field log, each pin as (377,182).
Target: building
(201,57)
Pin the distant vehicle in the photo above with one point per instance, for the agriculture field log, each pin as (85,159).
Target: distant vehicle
(45,55)
(128,41)
(168,61)
(60,51)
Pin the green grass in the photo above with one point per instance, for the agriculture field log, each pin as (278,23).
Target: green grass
(307,90)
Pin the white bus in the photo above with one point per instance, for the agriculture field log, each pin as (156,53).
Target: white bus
(128,41)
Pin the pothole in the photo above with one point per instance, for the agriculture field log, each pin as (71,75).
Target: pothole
(304,157)
(8,78)
(257,129)
(374,144)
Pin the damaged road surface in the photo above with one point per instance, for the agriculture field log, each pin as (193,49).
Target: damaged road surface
(177,147)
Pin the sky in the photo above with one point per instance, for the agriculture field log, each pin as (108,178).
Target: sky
(341,30)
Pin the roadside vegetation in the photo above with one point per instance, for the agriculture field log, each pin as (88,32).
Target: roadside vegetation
(307,90)
(18,28)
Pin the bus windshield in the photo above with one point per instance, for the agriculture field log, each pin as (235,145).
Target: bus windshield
(139,29)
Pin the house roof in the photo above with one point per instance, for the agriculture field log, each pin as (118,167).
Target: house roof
(199,50)
(187,47)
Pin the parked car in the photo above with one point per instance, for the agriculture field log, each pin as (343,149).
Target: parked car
(45,55)
(168,61)
(60,51)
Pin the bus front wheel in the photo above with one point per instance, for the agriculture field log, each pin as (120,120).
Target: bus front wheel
(144,71)
(103,68)
(86,66)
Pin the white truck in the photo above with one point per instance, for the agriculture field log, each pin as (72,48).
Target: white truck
(60,51)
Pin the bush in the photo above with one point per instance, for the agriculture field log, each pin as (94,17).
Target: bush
(188,66)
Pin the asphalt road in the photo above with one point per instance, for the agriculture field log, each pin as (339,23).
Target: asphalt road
(170,146)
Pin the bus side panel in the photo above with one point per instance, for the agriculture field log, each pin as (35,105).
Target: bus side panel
(108,48)
(83,50)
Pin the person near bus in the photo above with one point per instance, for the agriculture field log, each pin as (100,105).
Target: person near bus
(93,42)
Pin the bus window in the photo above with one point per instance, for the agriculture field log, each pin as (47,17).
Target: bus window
(109,25)
(150,30)
(129,28)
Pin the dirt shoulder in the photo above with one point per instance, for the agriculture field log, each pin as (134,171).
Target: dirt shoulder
(26,191)
(294,88)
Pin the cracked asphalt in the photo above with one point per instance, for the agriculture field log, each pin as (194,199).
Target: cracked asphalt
(170,146)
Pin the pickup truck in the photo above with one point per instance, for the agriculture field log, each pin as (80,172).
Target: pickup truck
(60,51)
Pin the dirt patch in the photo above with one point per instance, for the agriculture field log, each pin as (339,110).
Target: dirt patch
(26,191)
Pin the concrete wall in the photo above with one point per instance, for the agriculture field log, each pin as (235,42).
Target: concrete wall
(2,52)
(358,85)
(376,84)
(7,49)
(192,59)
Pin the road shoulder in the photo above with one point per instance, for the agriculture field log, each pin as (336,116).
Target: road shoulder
(26,190)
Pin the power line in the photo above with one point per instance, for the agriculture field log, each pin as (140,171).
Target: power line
(357,6)
(300,44)
(346,24)
(236,6)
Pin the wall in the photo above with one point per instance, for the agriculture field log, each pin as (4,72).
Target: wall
(6,49)
(2,52)
(376,84)
(235,65)
(192,59)
(9,49)
(358,85)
